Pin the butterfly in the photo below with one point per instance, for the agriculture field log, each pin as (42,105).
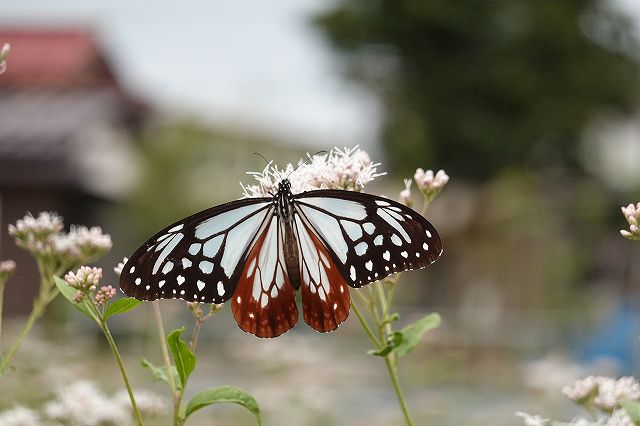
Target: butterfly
(259,252)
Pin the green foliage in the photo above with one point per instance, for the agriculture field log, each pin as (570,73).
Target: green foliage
(185,360)
(121,306)
(69,293)
(222,394)
(632,409)
(161,373)
(480,87)
(404,341)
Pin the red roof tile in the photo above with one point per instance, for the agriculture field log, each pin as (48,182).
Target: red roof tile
(54,59)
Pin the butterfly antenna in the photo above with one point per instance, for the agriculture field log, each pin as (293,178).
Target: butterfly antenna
(262,156)
(306,161)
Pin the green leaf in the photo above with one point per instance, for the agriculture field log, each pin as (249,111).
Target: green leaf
(121,306)
(69,293)
(223,394)
(412,334)
(184,359)
(161,373)
(632,409)
(393,343)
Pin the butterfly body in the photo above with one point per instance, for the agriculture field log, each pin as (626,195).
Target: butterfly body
(258,252)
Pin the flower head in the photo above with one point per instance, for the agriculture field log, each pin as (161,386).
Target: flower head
(3,56)
(606,393)
(118,269)
(405,194)
(105,294)
(429,183)
(36,233)
(7,268)
(347,169)
(85,278)
(19,416)
(532,420)
(82,244)
(632,214)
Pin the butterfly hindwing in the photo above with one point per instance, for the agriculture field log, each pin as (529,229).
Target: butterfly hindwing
(369,237)
(325,295)
(264,300)
(199,258)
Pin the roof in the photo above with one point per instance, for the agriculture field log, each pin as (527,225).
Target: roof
(54,59)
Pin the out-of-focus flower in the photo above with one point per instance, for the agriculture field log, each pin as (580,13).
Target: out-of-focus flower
(149,403)
(105,294)
(118,269)
(348,169)
(532,420)
(612,392)
(582,389)
(7,268)
(429,183)
(619,418)
(3,57)
(632,214)
(42,236)
(405,194)
(85,278)
(19,416)
(35,233)
(83,404)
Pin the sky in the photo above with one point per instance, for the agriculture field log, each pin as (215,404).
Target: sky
(248,64)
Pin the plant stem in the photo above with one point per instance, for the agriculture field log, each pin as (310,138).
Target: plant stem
(393,374)
(116,354)
(1,303)
(365,326)
(38,309)
(163,345)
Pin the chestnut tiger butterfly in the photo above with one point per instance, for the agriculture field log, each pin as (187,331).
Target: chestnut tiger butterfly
(259,251)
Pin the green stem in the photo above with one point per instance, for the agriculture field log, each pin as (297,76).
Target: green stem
(116,354)
(36,312)
(365,326)
(163,345)
(1,303)
(393,374)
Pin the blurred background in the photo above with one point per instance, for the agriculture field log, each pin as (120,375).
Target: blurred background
(131,115)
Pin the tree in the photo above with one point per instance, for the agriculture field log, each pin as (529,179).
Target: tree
(478,87)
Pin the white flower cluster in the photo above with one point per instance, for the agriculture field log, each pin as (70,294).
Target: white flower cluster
(84,278)
(618,418)
(632,214)
(43,237)
(3,56)
(347,169)
(19,416)
(430,184)
(606,393)
(83,404)
(118,269)
(7,268)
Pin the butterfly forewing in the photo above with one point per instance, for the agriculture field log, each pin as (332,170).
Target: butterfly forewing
(264,301)
(369,237)
(325,295)
(199,258)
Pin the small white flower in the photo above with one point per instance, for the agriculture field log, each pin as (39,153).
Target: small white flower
(619,418)
(19,416)
(429,183)
(533,420)
(348,169)
(632,214)
(611,392)
(84,278)
(7,268)
(118,269)
(46,224)
(405,194)
(582,389)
